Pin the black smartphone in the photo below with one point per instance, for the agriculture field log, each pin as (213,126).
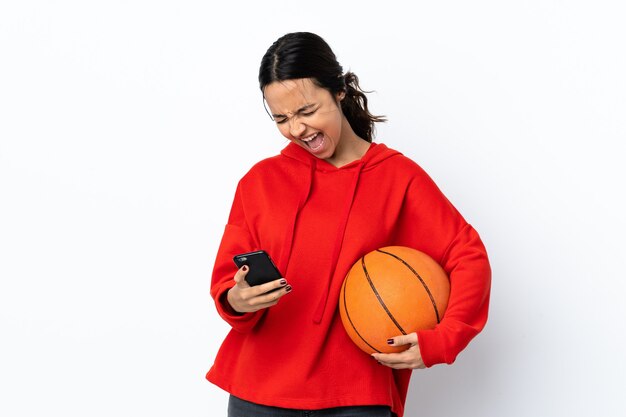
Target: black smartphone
(262,268)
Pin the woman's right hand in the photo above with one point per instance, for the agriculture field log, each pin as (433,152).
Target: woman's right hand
(245,299)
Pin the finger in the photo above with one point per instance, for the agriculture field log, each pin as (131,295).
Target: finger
(393,358)
(410,358)
(240,276)
(395,363)
(413,364)
(399,365)
(270,286)
(391,364)
(405,339)
(271,297)
(265,305)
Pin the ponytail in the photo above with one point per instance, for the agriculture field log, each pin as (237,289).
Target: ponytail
(354,107)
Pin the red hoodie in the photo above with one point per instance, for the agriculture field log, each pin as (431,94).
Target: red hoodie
(315,220)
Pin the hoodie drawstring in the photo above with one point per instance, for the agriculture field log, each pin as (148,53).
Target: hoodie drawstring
(321,306)
(288,243)
(373,157)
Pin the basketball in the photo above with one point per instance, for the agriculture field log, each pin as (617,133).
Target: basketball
(392,291)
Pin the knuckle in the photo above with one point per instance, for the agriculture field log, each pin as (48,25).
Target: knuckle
(258,290)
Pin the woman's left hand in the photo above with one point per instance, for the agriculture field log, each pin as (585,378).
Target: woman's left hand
(409,359)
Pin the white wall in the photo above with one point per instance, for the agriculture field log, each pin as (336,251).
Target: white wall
(124,126)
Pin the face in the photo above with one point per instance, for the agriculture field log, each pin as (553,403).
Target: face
(307,115)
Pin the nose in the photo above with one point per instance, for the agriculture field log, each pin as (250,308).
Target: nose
(296,128)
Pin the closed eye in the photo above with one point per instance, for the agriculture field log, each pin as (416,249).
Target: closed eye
(280,119)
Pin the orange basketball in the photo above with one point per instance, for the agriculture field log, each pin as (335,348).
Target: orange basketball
(392,291)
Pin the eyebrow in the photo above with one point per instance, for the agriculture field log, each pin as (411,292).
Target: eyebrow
(300,110)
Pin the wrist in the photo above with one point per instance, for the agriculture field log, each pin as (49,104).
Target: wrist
(228,307)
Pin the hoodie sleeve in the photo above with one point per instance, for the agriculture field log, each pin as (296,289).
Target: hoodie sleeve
(236,240)
(432,224)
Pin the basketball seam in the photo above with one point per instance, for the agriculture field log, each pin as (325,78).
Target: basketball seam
(345,308)
(430,295)
(380,300)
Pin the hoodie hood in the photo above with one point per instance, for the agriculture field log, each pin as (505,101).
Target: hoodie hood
(375,154)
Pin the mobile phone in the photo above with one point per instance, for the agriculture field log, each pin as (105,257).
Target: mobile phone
(261,267)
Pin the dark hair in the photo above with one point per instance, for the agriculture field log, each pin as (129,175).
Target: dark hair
(306,55)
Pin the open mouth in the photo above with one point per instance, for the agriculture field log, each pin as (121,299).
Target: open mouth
(314,141)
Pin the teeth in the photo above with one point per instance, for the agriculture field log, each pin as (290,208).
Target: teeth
(309,138)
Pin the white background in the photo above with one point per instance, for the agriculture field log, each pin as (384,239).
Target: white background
(125,125)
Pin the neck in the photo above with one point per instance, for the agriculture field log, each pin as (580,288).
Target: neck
(350,148)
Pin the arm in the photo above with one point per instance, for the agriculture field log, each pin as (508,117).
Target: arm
(430,223)
(468,267)
(236,239)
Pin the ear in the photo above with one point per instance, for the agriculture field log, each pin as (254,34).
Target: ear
(341,95)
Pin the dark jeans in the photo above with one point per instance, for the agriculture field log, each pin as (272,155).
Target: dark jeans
(241,408)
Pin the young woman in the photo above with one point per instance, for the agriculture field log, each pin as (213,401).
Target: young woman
(331,196)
